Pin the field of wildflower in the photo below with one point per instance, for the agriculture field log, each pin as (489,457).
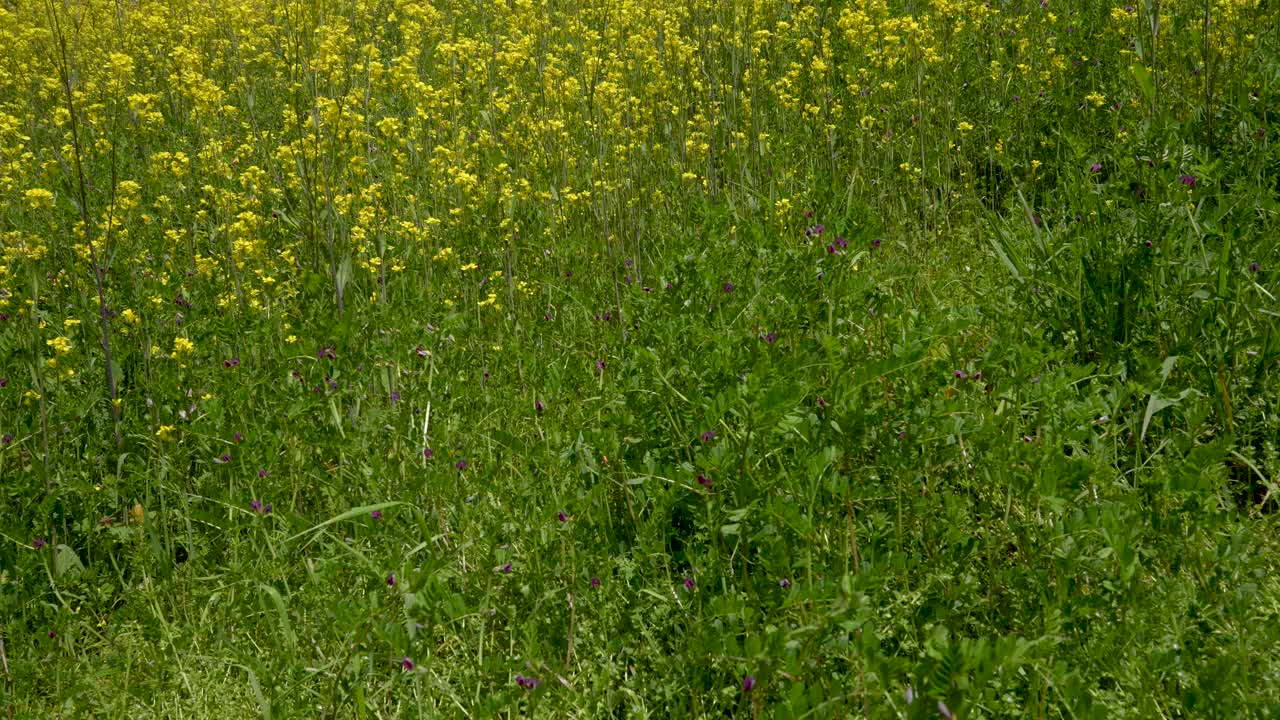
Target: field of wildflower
(639,359)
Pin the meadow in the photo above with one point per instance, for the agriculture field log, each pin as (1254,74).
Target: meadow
(639,359)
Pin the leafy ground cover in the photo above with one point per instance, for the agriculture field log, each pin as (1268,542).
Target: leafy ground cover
(382,358)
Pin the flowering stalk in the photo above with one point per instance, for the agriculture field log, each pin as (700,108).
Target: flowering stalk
(64,71)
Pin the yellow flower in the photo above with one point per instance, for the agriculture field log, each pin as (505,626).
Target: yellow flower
(165,433)
(964,126)
(183,346)
(59,345)
(129,316)
(39,198)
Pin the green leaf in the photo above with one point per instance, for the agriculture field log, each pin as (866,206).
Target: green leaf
(66,563)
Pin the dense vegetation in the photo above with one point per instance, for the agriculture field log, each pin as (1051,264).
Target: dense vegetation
(609,358)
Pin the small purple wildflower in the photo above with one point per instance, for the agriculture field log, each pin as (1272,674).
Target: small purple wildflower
(376,514)
(728,287)
(506,568)
(226,458)
(562,517)
(1095,168)
(37,543)
(600,366)
(4,382)
(1188,180)
(875,243)
(538,407)
(256,505)
(708,436)
(391,580)
(784,583)
(1253,268)
(595,582)
(771,338)
(421,351)
(406,664)
(748,682)
(427,453)
(689,584)
(527,683)
(395,396)
(461,465)
(822,402)
(263,472)
(909,695)
(52,634)
(960,375)
(945,711)
(266,509)
(7,439)
(704,481)
(237,437)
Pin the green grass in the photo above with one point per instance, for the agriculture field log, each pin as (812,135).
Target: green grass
(1009,448)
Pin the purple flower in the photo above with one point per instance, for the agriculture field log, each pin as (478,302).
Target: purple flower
(708,436)
(784,583)
(771,338)
(822,402)
(376,514)
(256,505)
(875,243)
(595,582)
(748,682)
(7,439)
(263,473)
(527,683)
(266,509)
(704,481)
(600,365)
(1095,168)
(1188,180)
(391,580)
(406,664)
(1253,268)
(831,249)
(945,711)
(689,584)
(461,465)
(562,517)
(395,396)
(538,407)
(909,695)
(52,634)
(4,382)
(728,287)
(427,453)
(226,458)
(505,568)
(38,543)
(960,375)
(237,437)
